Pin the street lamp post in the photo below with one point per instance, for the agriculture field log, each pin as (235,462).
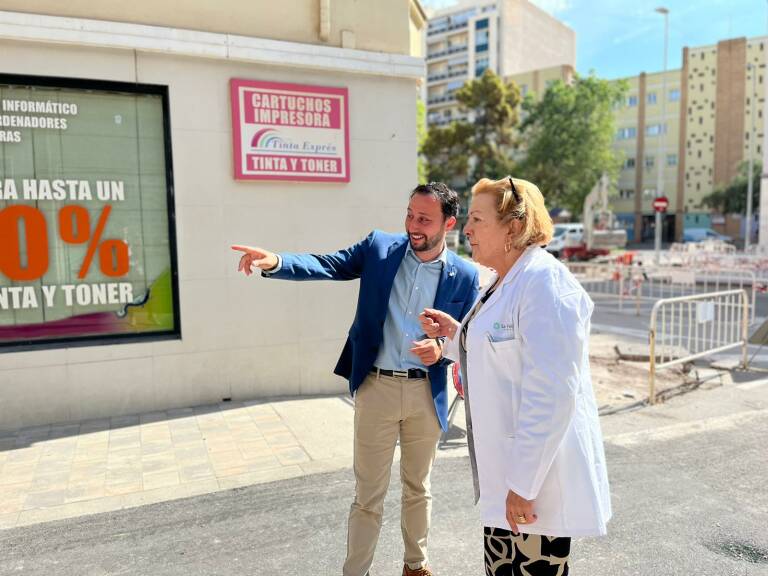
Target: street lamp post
(751,164)
(660,163)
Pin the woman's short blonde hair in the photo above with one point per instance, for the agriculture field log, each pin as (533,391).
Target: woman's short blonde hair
(519,200)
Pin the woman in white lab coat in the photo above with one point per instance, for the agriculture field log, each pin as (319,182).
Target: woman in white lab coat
(534,435)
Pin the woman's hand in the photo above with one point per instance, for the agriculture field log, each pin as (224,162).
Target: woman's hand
(436,323)
(519,511)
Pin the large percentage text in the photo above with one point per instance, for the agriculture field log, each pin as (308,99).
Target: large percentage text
(28,222)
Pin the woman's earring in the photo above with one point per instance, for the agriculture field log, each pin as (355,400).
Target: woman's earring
(508,246)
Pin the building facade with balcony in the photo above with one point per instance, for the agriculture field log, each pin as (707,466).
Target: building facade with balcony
(465,40)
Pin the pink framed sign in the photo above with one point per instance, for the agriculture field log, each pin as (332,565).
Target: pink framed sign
(289,131)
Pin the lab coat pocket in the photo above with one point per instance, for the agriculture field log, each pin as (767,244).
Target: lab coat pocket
(499,344)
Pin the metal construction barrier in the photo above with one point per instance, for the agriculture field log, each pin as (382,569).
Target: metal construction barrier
(635,284)
(675,282)
(685,328)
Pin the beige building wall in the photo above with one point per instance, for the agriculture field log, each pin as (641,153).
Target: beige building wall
(377,26)
(755,82)
(626,117)
(647,138)
(536,82)
(662,148)
(729,109)
(417,25)
(700,126)
(241,337)
(522,22)
(719,118)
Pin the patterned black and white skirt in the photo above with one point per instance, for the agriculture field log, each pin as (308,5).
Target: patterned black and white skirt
(510,554)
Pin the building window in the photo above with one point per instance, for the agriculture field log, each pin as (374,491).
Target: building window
(99,113)
(671,159)
(655,129)
(626,194)
(632,100)
(629,163)
(524,90)
(652,98)
(674,95)
(481,41)
(481,24)
(481,64)
(626,133)
(649,193)
(649,161)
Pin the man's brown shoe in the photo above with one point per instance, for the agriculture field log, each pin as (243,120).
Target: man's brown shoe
(416,571)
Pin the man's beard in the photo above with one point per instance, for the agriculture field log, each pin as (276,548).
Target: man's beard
(429,243)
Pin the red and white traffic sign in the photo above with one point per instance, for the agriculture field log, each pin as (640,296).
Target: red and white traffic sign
(660,204)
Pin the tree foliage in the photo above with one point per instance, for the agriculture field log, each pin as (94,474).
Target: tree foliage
(732,198)
(421,136)
(569,135)
(467,150)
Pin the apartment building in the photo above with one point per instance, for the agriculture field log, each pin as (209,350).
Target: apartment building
(465,40)
(696,136)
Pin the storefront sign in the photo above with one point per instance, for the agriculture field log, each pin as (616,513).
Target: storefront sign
(86,237)
(289,132)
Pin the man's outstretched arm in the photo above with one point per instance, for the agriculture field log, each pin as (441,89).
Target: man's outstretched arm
(346,264)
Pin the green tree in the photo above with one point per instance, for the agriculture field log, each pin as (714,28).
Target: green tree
(569,136)
(732,198)
(467,150)
(421,136)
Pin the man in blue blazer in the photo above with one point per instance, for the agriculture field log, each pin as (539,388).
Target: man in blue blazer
(396,374)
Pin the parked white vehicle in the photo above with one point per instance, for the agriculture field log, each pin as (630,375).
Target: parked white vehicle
(568,234)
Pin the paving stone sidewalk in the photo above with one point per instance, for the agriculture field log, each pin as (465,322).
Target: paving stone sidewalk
(54,472)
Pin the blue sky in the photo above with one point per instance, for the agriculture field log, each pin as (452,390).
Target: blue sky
(617,39)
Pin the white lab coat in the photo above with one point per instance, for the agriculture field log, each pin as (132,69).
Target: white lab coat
(532,407)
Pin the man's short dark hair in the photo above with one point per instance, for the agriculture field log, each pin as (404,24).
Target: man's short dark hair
(449,200)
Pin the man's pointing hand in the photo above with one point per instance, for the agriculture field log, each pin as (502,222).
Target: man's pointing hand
(254,256)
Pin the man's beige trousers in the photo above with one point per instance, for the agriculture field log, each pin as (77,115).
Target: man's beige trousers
(386,408)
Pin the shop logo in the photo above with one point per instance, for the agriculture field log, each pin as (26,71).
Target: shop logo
(269,139)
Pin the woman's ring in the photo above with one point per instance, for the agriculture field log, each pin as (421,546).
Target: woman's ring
(520,519)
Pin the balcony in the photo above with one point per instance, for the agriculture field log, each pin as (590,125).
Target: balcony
(445,120)
(449,28)
(442,76)
(447,52)
(442,98)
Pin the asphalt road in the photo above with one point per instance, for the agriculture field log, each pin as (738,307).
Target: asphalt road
(689,492)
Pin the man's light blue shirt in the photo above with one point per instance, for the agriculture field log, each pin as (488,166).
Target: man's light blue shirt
(414,289)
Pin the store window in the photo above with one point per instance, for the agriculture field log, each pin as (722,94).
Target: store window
(86,213)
